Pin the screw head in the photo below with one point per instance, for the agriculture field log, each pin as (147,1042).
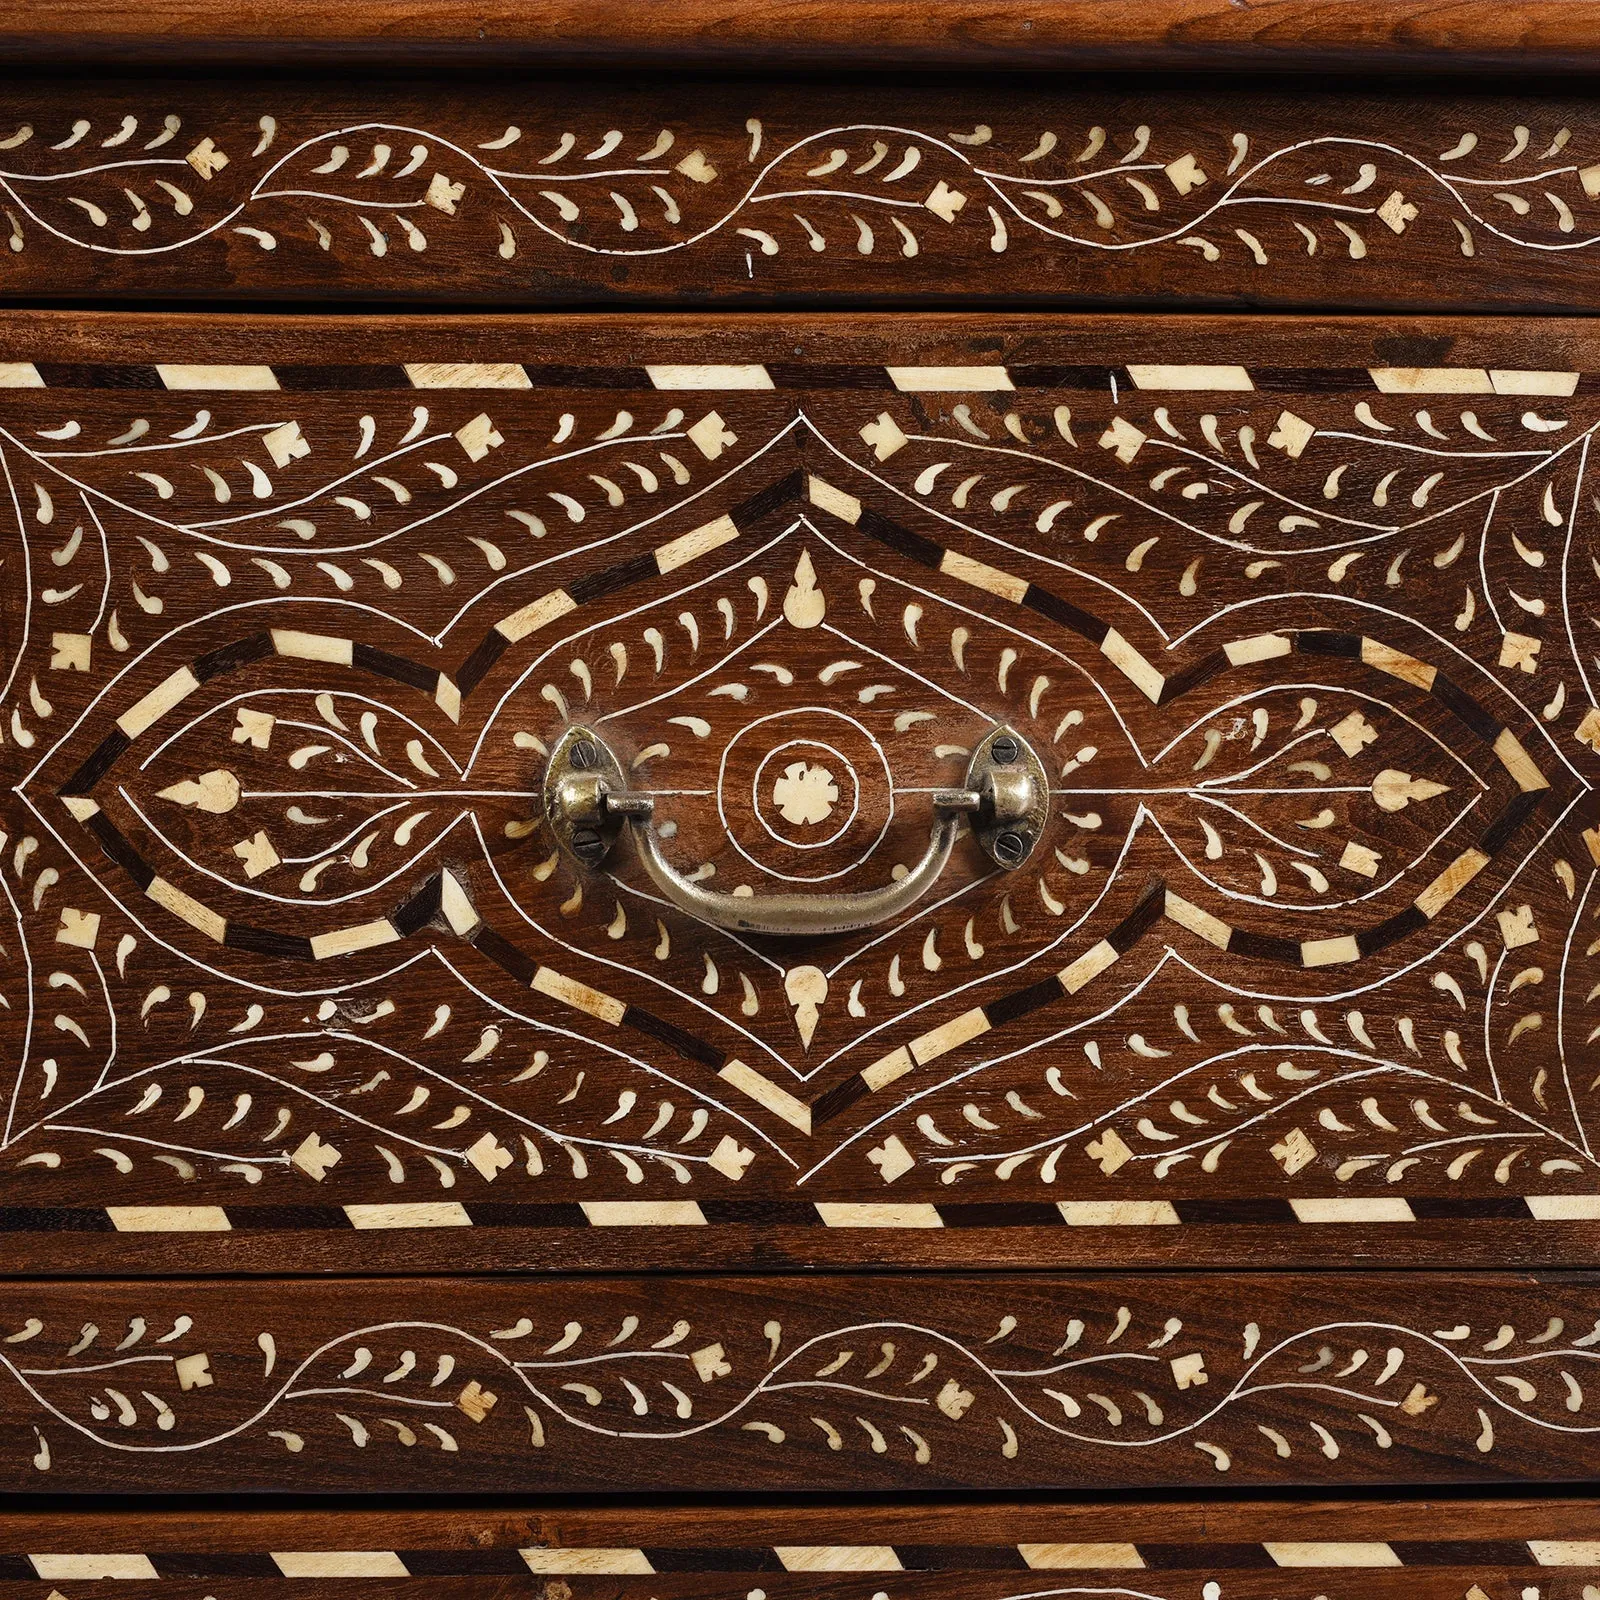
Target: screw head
(588,846)
(1004,749)
(583,755)
(1009,848)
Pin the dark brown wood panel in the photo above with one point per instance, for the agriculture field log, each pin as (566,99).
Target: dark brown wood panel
(1442,35)
(1430,1550)
(1300,971)
(775,1384)
(738,191)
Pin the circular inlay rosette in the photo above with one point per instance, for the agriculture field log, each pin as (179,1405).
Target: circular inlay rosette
(805,795)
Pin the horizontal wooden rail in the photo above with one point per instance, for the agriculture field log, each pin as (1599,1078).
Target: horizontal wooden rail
(1402,1549)
(968,35)
(1037,1381)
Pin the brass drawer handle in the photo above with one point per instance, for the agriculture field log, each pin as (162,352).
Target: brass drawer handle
(587,802)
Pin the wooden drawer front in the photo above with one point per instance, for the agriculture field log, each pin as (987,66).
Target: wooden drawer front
(843,1383)
(979,1552)
(718,192)
(1301,969)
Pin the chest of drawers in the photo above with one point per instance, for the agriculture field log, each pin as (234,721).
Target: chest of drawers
(760,755)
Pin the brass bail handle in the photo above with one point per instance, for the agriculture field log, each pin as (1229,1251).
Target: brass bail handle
(587,802)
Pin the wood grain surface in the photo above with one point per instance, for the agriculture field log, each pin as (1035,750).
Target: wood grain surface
(1434,1549)
(865,1382)
(972,35)
(724,192)
(1302,969)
